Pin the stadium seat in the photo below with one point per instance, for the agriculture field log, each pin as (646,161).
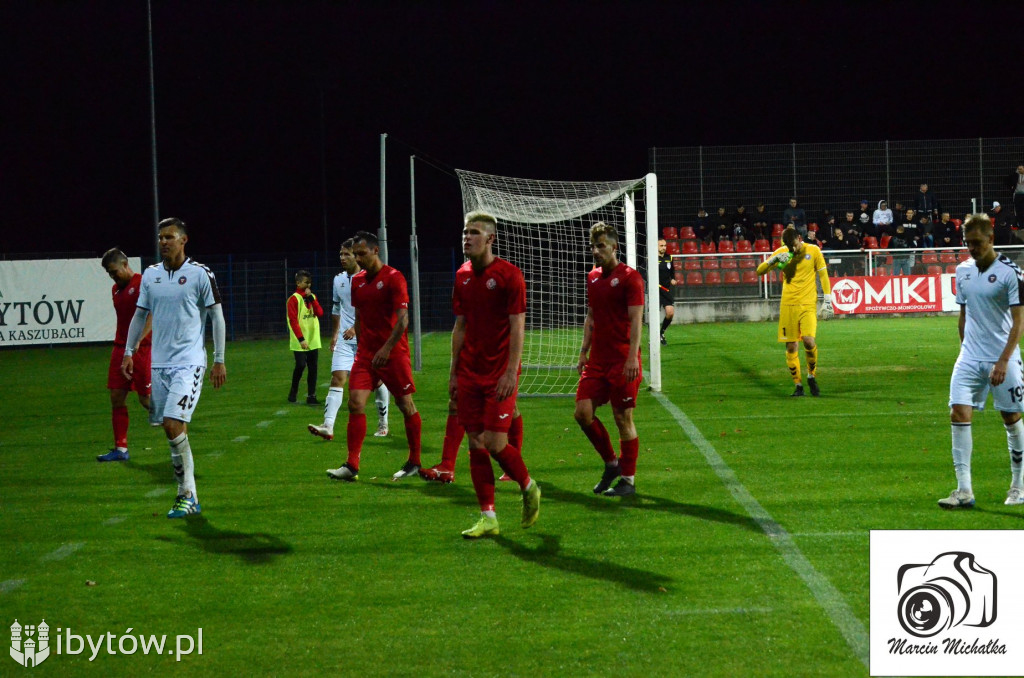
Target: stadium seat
(672,247)
(950,268)
(777,230)
(882,270)
(711,263)
(680,278)
(677,264)
(691,264)
(964,255)
(713,278)
(689,247)
(934,269)
(749,262)
(776,244)
(762,246)
(730,262)
(929,257)
(707,248)
(870,242)
(813,226)
(884,242)
(731,277)
(947,257)
(694,278)
(669,233)
(725,246)
(749,277)
(686,233)
(743,246)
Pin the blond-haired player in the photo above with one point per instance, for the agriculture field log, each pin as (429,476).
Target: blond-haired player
(800,262)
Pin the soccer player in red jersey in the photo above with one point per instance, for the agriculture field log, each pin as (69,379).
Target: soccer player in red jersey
(125,292)
(489,301)
(609,363)
(381,301)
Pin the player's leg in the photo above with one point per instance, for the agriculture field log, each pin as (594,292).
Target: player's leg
(811,353)
(341,364)
(1007,398)
(413,435)
(669,308)
(119,422)
(629,446)
(495,442)
(515,438)
(312,358)
(182,397)
(453,435)
(789,333)
(300,366)
(381,397)
(482,474)
(968,389)
(596,433)
(142,375)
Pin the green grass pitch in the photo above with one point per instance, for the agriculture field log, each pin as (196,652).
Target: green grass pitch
(289,573)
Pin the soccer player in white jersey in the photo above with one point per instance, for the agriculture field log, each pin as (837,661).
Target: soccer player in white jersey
(180,294)
(990,291)
(343,351)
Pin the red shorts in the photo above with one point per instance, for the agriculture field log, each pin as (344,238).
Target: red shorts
(396,374)
(478,407)
(608,386)
(140,381)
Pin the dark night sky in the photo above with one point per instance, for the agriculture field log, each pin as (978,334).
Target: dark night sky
(555,90)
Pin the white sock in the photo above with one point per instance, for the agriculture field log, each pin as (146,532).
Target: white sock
(628,479)
(962,445)
(1015,443)
(184,467)
(490,514)
(332,403)
(381,397)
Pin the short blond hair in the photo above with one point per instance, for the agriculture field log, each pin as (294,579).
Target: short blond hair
(980,223)
(601,228)
(481,217)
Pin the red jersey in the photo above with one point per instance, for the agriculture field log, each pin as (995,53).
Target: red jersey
(609,298)
(378,299)
(125,299)
(485,300)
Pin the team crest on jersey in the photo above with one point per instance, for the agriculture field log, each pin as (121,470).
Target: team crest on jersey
(807,256)
(615,282)
(182,280)
(131,291)
(992,278)
(491,283)
(380,284)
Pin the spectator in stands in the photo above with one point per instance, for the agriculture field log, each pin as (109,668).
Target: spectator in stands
(881,219)
(722,225)
(838,242)
(925,238)
(1002,224)
(742,224)
(926,204)
(762,224)
(796,217)
(702,226)
(945,232)
(812,238)
(902,262)
(1015,182)
(863,217)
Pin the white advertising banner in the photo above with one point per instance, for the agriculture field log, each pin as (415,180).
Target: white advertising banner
(56,301)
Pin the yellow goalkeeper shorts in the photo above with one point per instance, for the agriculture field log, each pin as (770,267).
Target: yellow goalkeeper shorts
(796,322)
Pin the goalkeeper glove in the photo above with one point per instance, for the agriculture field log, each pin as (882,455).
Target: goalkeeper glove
(827,310)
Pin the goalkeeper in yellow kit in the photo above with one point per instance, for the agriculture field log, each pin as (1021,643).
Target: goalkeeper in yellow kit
(799,262)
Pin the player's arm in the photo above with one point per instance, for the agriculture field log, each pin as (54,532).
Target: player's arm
(458,339)
(588,334)
(999,368)
(335,329)
(401,323)
(769,263)
(826,286)
(962,324)
(140,321)
(632,367)
(516,331)
(219,373)
(311,300)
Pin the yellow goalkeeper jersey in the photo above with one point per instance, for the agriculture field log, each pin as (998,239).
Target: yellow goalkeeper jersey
(800,290)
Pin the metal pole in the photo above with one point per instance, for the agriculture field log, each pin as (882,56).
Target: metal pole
(888,181)
(794,170)
(323,171)
(382,231)
(700,170)
(651,207)
(981,175)
(152,132)
(414,255)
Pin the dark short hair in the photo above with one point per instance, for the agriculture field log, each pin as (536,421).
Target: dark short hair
(789,236)
(173,221)
(112,256)
(302,274)
(365,236)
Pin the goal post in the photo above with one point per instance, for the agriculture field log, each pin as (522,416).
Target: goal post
(543,228)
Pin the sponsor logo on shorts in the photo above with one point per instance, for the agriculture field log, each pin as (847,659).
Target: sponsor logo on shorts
(407,387)
(466,281)
(503,416)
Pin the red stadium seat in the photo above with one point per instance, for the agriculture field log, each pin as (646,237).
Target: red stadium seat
(691,264)
(677,264)
(777,230)
(694,278)
(686,233)
(947,257)
(743,246)
(680,278)
(749,277)
(884,242)
(707,248)
(669,233)
(950,268)
(749,262)
(934,269)
(870,242)
(725,246)
(731,277)
(713,278)
(776,244)
(730,262)
(689,247)
(711,263)
(813,226)
(762,246)
(929,257)
(672,247)
(964,255)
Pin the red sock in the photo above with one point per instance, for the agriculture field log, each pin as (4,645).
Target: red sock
(482,473)
(355,432)
(413,427)
(630,451)
(119,417)
(598,436)
(453,435)
(511,462)
(515,433)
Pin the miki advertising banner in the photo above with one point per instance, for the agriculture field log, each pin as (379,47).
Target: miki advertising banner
(899,294)
(58,301)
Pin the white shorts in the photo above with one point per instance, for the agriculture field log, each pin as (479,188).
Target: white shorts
(175,393)
(343,356)
(970,385)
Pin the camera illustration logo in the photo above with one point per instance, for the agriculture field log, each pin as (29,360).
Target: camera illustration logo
(846,295)
(951,590)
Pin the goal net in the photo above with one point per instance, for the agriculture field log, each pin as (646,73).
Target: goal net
(543,228)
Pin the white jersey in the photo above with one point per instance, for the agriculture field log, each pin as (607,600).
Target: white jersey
(178,301)
(988,296)
(342,305)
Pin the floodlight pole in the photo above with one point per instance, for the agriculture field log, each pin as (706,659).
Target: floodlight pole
(653,303)
(414,255)
(382,231)
(152,132)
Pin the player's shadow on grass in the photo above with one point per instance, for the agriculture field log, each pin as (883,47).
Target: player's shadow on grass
(549,554)
(256,549)
(161,471)
(456,494)
(650,503)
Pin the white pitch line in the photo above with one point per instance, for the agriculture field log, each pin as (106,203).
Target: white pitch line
(10,585)
(943,414)
(263,424)
(240,439)
(828,597)
(115,520)
(62,552)
(157,492)
(281,413)
(832,535)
